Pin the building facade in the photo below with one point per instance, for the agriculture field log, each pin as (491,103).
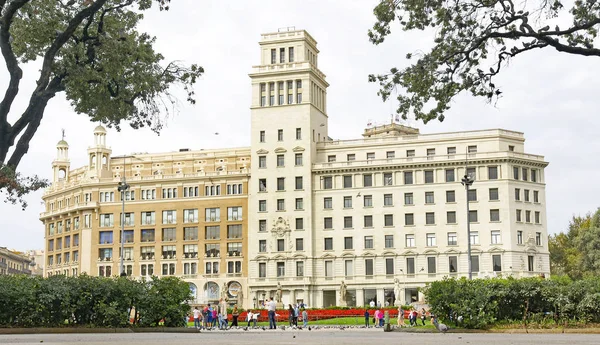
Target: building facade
(324,222)
(185,215)
(14,262)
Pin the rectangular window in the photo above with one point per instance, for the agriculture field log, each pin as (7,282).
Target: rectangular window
(298,162)
(262,205)
(213,232)
(367,180)
(273,56)
(389,241)
(291,54)
(262,270)
(524,172)
(280,135)
(516,173)
(234,213)
(262,136)
(429,198)
(473,216)
(368,221)
(495,237)
(409,219)
(389,266)
(370,155)
(299,203)
(517,194)
(328,269)
(388,220)
(234,248)
(299,223)
(369,267)
(327,203)
(388,200)
(348,222)
(280,245)
(493,173)
(410,153)
(262,246)
(519,237)
(234,231)
(526,195)
(212,214)
(331,158)
(280,205)
(299,244)
(408,177)
(298,133)
(472,195)
(328,243)
(390,154)
(452,239)
(168,234)
(328,223)
(280,160)
(148,235)
(262,225)
(518,213)
(368,201)
(190,233)
(410,240)
(430,218)
(106,237)
(428,176)
(350,157)
(533,175)
(281,183)
(537,217)
(450,175)
(530,261)
(527,216)
(430,153)
(536,196)
(431,265)
(474,263)
(451,217)
(388,179)
(347,202)
(347,181)
(497,263)
(474,238)
(281,55)
(299,268)
(281,99)
(431,240)
(471,173)
(408,199)
(281,269)
(493,194)
(451,150)
(327,182)
(494,215)
(348,243)
(450,196)
(472,149)
(538,238)
(410,265)
(368,242)
(299,183)
(106,220)
(452,264)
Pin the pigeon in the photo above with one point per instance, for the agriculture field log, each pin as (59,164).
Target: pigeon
(439,326)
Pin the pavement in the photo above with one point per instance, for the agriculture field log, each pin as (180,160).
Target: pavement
(329,337)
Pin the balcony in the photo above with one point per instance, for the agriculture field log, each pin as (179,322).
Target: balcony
(86,205)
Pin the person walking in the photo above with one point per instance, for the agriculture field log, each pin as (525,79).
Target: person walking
(296,314)
(255,318)
(235,314)
(291,315)
(304,318)
(367,317)
(249,317)
(215,318)
(400,317)
(272,307)
(423,316)
(197,315)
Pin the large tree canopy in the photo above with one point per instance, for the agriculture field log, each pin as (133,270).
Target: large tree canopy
(576,253)
(474,40)
(93,52)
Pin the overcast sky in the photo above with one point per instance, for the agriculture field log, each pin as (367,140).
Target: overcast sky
(551,97)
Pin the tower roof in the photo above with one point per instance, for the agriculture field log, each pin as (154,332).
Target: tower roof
(99,130)
(62,143)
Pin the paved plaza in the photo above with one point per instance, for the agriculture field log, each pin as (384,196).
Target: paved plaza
(302,337)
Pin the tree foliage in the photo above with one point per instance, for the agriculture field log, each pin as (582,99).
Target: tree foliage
(93,52)
(474,40)
(486,302)
(91,301)
(577,252)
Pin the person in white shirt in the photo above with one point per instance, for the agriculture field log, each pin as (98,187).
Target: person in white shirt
(249,317)
(197,315)
(271,307)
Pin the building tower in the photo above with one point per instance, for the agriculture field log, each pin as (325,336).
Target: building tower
(289,117)
(61,164)
(99,155)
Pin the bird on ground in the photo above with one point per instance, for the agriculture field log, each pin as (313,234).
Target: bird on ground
(439,326)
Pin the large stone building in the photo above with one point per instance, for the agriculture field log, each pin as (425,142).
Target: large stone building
(14,262)
(375,218)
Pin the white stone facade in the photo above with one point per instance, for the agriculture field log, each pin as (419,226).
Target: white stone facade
(350,219)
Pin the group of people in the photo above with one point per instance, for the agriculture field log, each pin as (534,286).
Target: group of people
(413,315)
(294,312)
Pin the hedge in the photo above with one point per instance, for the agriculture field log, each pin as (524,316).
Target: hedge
(486,302)
(91,301)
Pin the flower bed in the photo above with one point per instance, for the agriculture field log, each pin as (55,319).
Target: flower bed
(321,314)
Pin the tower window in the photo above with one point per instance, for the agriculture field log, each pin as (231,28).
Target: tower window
(298,84)
(271,93)
(273,55)
(281,93)
(280,135)
(281,55)
(299,98)
(291,54)
(262,136)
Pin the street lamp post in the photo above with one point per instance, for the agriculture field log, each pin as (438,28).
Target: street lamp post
(123,186)
(467,181)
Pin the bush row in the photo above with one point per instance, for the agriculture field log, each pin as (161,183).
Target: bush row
(485,302)
(91,301)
